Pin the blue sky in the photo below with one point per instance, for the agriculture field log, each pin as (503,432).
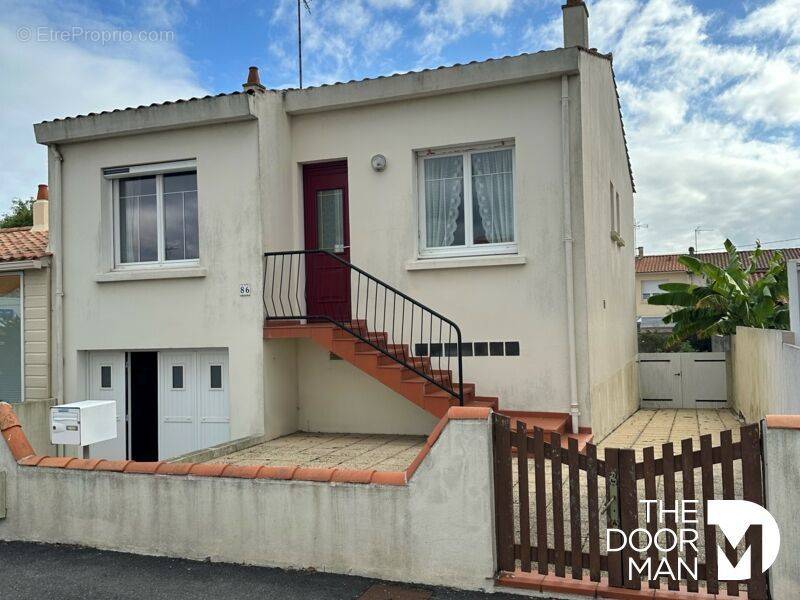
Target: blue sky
(710,89)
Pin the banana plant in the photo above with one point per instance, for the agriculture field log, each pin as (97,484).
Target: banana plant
(730,297)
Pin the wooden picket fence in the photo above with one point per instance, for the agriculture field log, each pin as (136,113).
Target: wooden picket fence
(626,482)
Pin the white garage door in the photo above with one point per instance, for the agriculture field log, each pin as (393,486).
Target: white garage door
(194,411)
(106,381)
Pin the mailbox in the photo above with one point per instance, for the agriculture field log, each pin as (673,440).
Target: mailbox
(83,423)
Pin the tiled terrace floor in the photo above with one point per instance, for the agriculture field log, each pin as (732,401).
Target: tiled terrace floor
(328,450)
(655,427)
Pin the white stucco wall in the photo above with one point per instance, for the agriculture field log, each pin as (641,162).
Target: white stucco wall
(782,480)
(766,373)
(334,396)
(490,303)
(438,529)
(643,309)
(609,268)
(202,312)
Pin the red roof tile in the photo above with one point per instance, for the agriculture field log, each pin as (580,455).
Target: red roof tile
(665,263)
(20,243)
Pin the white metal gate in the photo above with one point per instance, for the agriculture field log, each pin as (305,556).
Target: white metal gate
(683,380)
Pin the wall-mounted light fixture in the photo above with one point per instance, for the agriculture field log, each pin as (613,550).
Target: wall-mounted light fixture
(379,162)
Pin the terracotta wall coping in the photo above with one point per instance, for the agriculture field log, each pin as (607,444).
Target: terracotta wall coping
(23,453)
(783,421)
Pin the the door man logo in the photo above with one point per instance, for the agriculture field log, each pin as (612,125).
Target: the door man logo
(733,517)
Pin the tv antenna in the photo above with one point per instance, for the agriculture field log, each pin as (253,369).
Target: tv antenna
(305,4)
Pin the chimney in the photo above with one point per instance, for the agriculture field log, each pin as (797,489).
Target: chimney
(576,24)
(41,212)
(640,251)
(253,81)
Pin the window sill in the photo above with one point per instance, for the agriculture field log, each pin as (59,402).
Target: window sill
(144,274)
(460,262)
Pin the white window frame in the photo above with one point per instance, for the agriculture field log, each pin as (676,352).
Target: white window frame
(221,377)
(158,171)
(172,377)
(470,248)
(646,295)
(110,376)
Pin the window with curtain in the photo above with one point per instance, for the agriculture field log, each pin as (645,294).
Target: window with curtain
(10,338)
(156,218)
(467,204)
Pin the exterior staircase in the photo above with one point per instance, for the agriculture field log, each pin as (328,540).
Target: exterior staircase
(409,347)
(405,381)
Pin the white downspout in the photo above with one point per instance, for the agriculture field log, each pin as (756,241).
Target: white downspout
(56,248)
(574,409)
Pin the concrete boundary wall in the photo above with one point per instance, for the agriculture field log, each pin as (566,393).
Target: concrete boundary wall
(766,373)
(432,524)
(781,449)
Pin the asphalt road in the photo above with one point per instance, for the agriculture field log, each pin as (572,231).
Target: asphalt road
(45,572)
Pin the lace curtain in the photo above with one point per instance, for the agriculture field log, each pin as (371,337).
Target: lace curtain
(444,195)
(492,196)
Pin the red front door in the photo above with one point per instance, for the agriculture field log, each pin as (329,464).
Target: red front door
(327,227)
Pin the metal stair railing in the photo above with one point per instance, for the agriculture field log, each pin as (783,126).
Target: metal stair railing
(374,312)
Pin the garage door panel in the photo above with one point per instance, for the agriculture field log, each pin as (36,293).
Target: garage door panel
(194,410)
(107,381)
(213,404)
(177,404)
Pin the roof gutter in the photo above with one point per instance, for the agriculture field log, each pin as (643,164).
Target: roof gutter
(566,189)
(23,265)
(55,243)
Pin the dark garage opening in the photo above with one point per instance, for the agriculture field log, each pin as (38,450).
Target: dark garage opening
(143,404)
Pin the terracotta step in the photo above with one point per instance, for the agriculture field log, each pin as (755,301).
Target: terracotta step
(282,323)
(433,373)
(558,422)
(484,401)
(399,377)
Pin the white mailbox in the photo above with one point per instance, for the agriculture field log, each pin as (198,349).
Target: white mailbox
(83,423)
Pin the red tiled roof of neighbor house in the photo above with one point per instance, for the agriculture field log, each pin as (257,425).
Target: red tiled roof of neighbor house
(668,263)
(20,243)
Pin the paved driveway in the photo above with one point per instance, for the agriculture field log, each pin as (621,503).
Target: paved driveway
(43,572)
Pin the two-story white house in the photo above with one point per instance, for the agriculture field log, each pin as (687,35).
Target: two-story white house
(454,235)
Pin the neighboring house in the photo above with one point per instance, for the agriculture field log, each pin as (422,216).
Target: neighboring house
(25,321)
(656,269)
(497,193)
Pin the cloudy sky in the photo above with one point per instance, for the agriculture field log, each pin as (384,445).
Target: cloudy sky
(710,88)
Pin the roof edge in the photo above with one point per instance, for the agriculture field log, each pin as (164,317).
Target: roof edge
(210,110)
(433,82)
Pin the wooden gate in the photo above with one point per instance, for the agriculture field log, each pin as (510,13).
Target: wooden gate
(537,528)
(683,380)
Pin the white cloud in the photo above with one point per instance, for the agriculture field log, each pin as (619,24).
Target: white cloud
(340,40)
(779,16)
(388,4)
(697,112)
(445,21)
(48,79)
